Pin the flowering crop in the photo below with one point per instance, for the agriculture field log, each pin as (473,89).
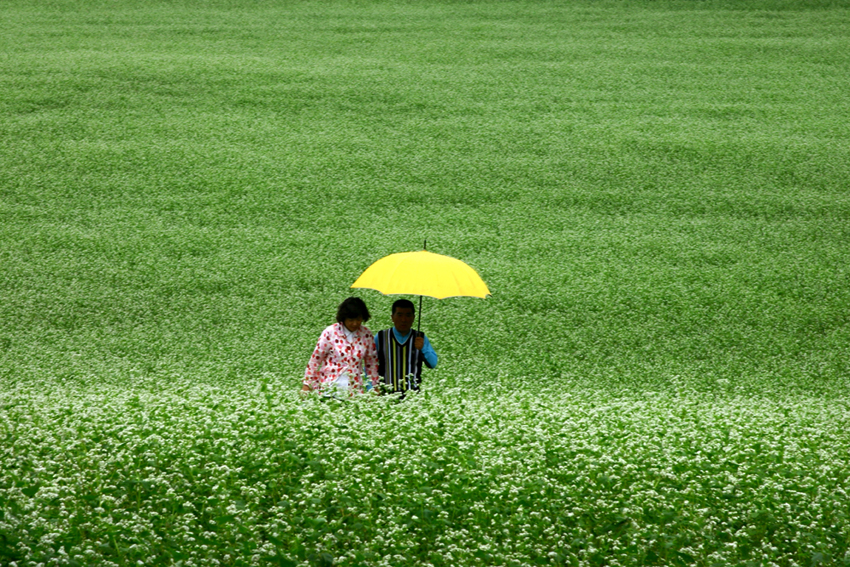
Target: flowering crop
(655,192)
(189,474)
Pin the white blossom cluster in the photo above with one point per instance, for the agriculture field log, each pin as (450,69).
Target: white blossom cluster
(175,473)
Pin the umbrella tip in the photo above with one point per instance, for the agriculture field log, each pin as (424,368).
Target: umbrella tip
(425,245)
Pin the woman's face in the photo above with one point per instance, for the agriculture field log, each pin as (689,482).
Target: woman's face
(353,324)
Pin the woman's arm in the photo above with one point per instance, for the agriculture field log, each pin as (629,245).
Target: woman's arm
(371,360)
(317,361)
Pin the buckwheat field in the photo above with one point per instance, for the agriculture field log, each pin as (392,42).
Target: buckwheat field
(656,193)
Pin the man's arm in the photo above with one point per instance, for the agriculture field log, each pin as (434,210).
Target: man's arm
(428,353)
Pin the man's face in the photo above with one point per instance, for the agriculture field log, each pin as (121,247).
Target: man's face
(403,319)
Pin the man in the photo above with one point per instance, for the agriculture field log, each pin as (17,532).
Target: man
(401,352)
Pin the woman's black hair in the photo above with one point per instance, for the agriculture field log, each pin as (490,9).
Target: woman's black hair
(352,308)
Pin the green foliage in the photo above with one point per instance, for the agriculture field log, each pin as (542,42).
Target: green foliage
(168,472)
(655,192)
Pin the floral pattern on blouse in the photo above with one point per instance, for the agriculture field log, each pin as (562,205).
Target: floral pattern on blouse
(335,355)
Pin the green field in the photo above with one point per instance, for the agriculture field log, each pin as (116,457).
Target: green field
(656,192)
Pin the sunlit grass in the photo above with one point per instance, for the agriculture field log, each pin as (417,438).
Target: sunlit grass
(655,192)
(254,475)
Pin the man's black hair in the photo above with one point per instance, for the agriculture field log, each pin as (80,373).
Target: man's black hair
(401,304)
(352,308)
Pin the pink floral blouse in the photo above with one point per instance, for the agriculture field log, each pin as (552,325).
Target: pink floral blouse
(335,355)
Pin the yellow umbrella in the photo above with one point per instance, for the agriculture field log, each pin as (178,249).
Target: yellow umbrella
(422,273)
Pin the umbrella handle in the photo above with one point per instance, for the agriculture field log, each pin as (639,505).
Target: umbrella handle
(418,326)
(419,319)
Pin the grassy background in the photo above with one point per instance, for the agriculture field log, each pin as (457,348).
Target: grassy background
(654,191)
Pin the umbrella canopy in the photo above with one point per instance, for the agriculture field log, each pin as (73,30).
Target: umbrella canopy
(423,273)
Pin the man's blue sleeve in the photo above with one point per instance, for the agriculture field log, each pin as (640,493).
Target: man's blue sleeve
(431,358)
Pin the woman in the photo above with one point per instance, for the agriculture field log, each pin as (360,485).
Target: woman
(343,352)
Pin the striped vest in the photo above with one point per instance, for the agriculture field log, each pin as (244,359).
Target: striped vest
(395,361)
